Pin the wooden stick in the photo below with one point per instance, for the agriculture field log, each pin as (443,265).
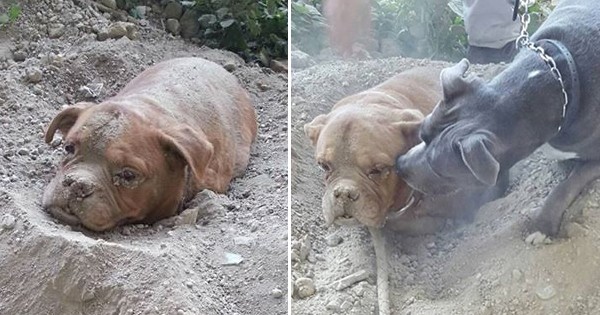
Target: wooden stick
(383,293)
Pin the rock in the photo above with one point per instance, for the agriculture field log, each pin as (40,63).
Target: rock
(173,10)
(8,222)
(243,240)
(189,284)
(301,60)
(33,74)
(430,245)
(279,66)
(277,293)
(304,287)
(546,292)
(305,248)
(56,30)
(188,217)
(23,151)
(109,3)
(142,10)
(206,20)
(117,30)
(333,240)
(189,24)
(350,280)
(537,238)
(132,31)
(230,66)
(231,259)
(333,306)
(173,26)
(346,305)
(102,36)
(19,55)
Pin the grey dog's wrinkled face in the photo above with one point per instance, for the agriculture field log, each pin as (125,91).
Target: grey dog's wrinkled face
(457,149)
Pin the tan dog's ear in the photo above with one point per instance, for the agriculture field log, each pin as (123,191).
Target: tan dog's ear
(191,146)
(407,124)
(65,120)
(313,129)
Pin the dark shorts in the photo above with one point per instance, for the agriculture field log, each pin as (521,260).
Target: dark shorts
(477,54)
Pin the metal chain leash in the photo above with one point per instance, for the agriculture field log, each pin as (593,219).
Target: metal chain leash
(523,41)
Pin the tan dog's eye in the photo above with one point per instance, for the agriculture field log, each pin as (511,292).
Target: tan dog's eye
(378,171)
(126,177)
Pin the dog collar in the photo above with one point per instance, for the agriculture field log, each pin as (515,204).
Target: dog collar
(573,92)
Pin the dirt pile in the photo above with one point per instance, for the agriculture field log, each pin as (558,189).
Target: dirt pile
(47,59)
(479,267)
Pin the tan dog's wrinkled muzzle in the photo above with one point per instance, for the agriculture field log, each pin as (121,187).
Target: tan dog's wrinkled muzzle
(344,202)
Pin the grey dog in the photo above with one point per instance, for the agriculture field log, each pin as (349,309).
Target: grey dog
(481,129)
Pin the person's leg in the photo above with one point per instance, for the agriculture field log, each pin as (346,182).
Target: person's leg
(482,55)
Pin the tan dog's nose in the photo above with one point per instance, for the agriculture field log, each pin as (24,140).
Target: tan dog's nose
(346,193)
(81,188)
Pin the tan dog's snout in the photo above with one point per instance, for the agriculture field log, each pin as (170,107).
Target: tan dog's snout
(345,193)
(79,187)
(341,201)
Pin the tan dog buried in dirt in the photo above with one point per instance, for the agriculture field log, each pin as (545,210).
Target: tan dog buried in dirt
(356,144)
(181,126)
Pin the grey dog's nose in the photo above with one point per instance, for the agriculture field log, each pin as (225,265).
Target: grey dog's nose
(346,193)
(80,188)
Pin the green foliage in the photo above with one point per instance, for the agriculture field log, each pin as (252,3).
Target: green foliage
(308,27)
(11,15)
(255,29)
(425,28)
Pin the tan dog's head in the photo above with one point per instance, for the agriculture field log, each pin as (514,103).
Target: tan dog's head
(357,148)
(120,166)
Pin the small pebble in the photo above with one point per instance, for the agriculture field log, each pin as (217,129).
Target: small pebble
(333,240)
(8,222)
(546,292)
(34,75)
(305,287)
(277,293)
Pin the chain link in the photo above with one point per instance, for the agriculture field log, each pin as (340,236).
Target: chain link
(523,41)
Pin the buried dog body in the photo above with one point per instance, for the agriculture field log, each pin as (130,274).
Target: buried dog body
(479,130)
(180,126)
(356,148)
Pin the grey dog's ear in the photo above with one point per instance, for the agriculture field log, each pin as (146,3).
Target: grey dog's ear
(453,80)
(479,160)
(313,128)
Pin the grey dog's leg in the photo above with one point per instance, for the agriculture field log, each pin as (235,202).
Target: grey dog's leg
(564,194)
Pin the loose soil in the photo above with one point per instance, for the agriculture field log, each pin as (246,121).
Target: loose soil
(166,268)
(479,267)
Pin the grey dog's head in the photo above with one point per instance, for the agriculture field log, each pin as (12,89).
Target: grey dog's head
(458,149)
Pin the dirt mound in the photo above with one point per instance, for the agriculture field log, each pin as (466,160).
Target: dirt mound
(167,268)
(479,267)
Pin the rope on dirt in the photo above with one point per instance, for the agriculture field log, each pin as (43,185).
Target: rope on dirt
(383,293)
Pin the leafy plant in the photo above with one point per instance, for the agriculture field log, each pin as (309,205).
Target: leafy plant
(12,14)
(308,27)
(255,29)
